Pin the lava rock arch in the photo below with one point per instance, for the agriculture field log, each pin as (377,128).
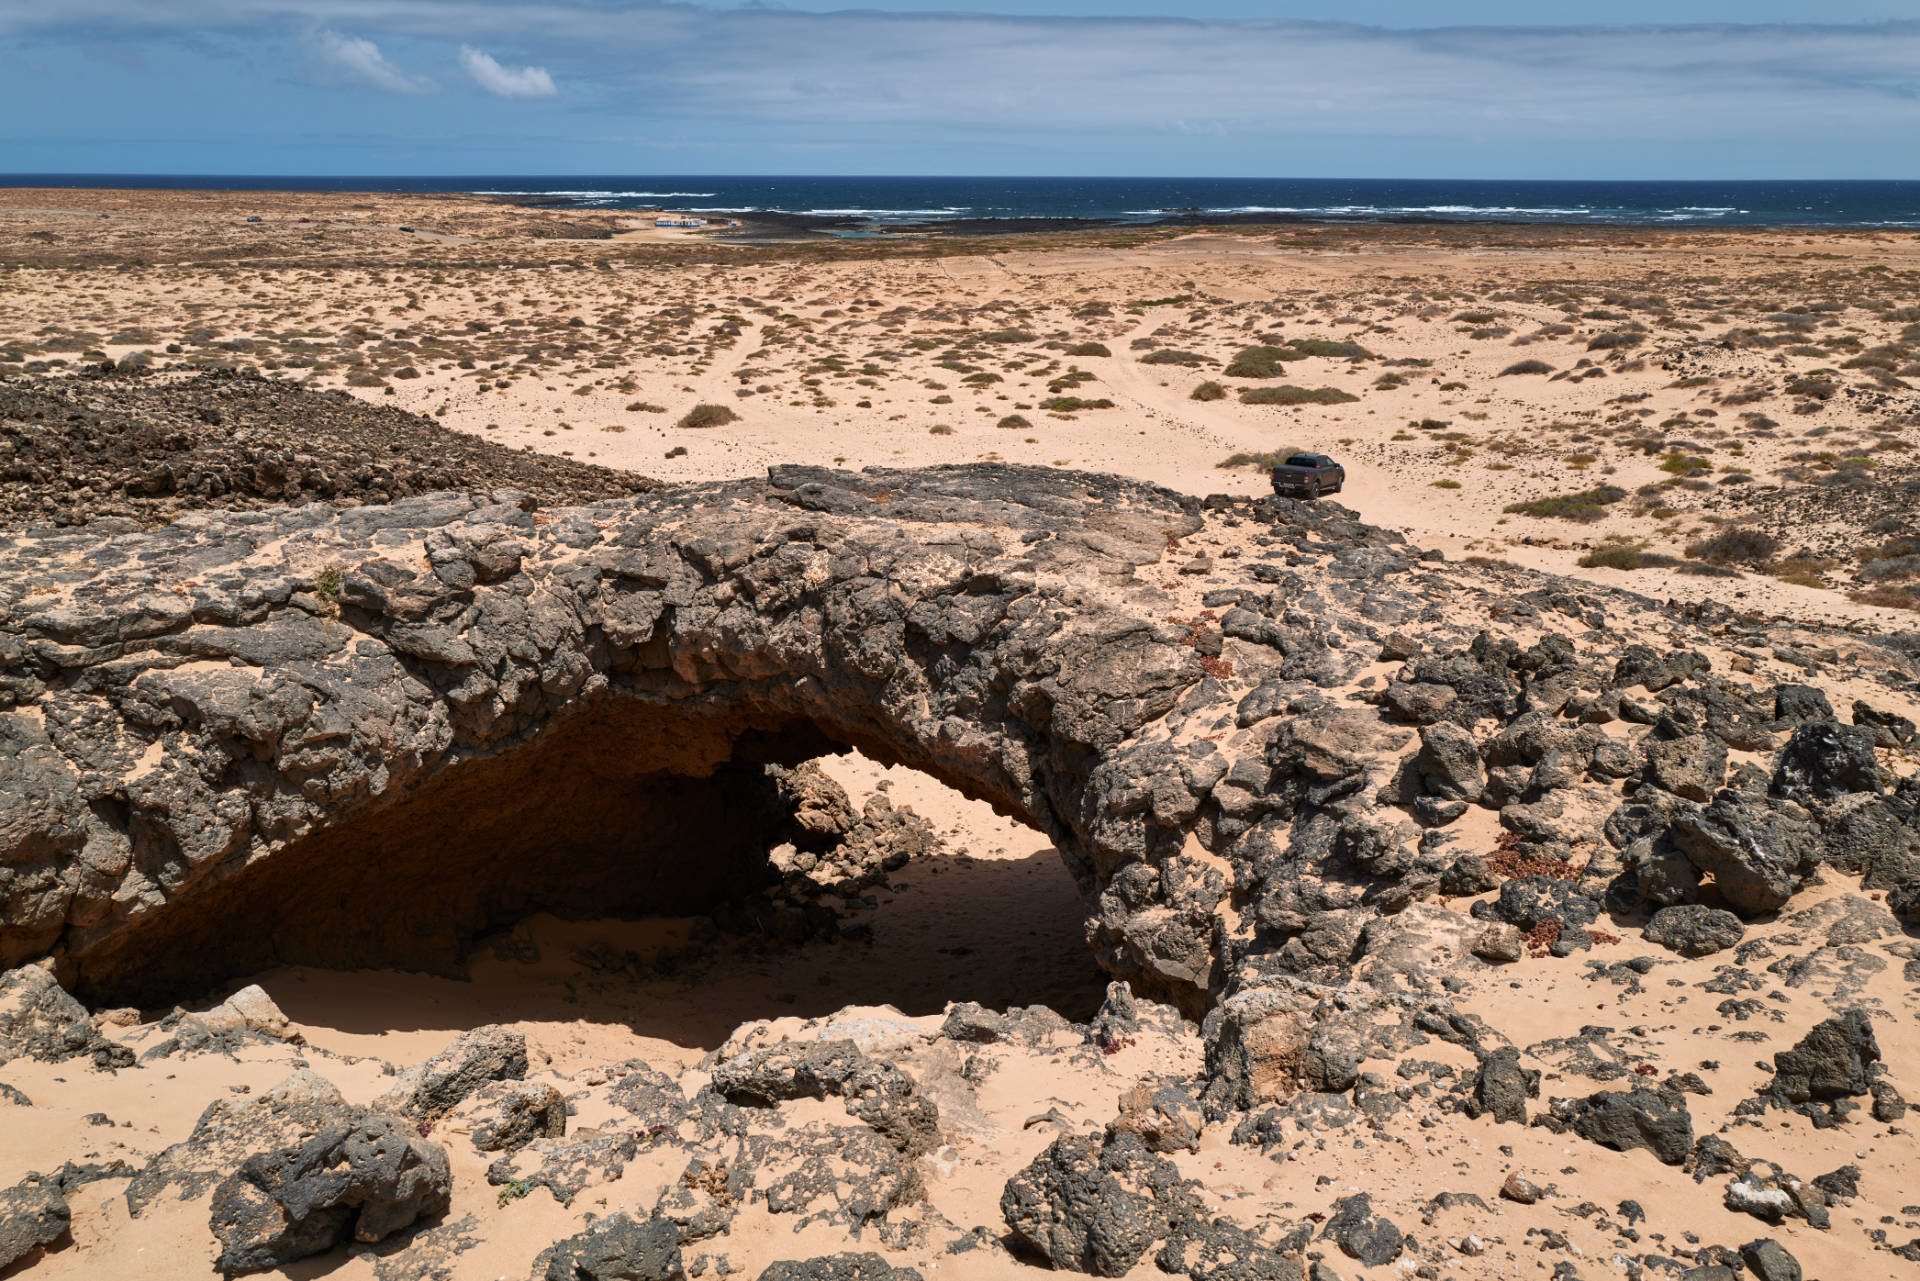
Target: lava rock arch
(359,737)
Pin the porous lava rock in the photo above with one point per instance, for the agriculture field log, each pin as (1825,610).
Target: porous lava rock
(1090,1206)
(353,1181)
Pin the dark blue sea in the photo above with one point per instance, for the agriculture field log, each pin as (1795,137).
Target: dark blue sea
(882,201)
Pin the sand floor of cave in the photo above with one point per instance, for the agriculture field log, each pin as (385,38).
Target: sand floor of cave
(994,917)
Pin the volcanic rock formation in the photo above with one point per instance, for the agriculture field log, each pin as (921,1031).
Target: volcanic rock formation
(371,734)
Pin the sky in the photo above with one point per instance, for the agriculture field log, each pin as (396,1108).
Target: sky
(1714,89)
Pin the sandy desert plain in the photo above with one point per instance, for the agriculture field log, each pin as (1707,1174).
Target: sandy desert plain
(1722,424)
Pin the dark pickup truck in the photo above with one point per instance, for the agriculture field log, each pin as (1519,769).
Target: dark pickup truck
(1309,474)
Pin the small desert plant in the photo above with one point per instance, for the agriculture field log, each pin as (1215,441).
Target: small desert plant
(1013,422)
(1209,391)
(1527,367)
(1089,349)
(1615,340)
(1257,362)
(705,415)
(1263,461)
(1587,505)
(1174,356)
(1742,543)
(1287,394)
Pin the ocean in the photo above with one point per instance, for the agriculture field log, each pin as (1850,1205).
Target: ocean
(893,201)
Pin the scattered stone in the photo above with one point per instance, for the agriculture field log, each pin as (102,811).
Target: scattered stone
(1768,1260)
(1502,1087)
(1830,1062)
(1167,1118)
(1360,1233)
(840,1267)
(429,1090)
(1694,930)
(1518,1187)
(1214,1250)
(1656,1120)
(1755,852)
(1500,942)
(508,1115)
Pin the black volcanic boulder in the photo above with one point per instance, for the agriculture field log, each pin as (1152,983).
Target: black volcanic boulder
(1825,760)
(1755,851)
(353,1181)
(1656,1120)
(1097,1207)
(616,1248)
(1502,1087)
(1361,1234)
(1829,1062)
(1692,929)
(33,1213)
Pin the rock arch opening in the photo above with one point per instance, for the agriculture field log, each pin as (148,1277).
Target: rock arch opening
(616,810)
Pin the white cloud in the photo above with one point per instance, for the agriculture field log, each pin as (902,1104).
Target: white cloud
(361,60)
(505,82)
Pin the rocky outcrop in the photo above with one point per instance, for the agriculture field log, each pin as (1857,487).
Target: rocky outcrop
(306,720)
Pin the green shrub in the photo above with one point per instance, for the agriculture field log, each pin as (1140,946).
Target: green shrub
(1263,462)
(1013,422)
(1006,336)
(1325,347)
(1742,543)
(1446,484)
(1257,362)
(1613,556)
(1209,391)
(1288,394)
(708,416)
(1527,367)
(1615,340)
(1174,356)
(1587,505)
(1089,349)
(1073,404)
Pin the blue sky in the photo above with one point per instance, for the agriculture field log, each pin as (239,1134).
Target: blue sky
(1469,88)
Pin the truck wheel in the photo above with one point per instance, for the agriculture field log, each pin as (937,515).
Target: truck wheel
(1342,485)
(1313,489)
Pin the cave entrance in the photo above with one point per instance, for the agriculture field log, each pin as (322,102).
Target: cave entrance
(622,850)
(990,914)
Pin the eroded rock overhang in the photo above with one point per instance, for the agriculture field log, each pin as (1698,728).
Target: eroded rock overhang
(358,737)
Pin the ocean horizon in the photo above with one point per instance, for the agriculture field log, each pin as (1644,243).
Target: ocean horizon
(883,201)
